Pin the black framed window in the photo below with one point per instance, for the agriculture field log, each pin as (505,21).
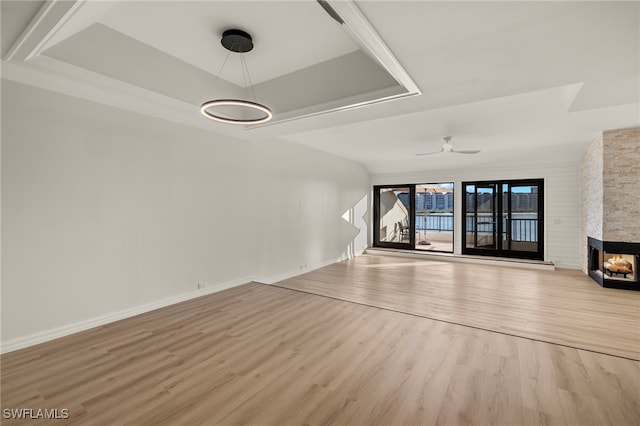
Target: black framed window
(393,212)
(504,218)
(414,216)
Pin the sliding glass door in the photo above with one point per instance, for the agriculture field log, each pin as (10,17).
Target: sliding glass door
(394,210)
(480,219)
(414,216)
(504,218)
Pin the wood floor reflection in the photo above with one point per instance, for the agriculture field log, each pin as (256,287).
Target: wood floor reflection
(562,306)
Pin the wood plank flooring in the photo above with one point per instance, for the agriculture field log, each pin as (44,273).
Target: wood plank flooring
(263,355)
(562,306)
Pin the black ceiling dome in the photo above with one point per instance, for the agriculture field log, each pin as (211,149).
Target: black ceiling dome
(237,41)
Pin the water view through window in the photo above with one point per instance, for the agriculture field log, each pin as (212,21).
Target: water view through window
(498,218)
(434,217)
(414,216)
(504,218)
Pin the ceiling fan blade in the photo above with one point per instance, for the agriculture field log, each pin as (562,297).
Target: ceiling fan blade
(431,153)
(447,147)
(466,151)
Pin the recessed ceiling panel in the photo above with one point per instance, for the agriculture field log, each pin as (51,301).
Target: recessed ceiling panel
(304,62)
(105,51)
(348,76)
(351,77)
(310,67)
(287,35)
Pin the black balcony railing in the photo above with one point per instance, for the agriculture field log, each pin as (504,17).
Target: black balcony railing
(522,229)
(434,222)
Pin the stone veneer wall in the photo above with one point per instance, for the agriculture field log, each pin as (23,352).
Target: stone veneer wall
(592,196)
(621,184)
(611,188)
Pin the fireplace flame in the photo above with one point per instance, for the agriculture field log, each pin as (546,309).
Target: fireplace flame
(619,260)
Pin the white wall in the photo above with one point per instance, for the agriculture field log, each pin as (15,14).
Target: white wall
(562,200)
(312,209)
(105,210)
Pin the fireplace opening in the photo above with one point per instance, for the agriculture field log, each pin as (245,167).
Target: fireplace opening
(614,264)
(619,265)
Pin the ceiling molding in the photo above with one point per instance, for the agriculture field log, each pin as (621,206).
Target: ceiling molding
(353,102)
(50,18)
(363,33)
(359,29)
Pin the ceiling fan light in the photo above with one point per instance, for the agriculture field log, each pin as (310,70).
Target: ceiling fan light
(447,149)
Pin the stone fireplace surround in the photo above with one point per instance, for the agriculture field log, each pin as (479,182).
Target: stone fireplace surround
(611,203)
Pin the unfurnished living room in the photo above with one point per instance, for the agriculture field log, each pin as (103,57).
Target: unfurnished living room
(318,212)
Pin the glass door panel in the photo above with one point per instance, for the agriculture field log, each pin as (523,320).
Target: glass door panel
(434,216)
(480,217)
(470,216)
(504,218)
(486,217)
(394,211)
(524,218)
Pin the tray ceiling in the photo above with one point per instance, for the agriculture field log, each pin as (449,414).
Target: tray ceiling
(304,62)
(516,80)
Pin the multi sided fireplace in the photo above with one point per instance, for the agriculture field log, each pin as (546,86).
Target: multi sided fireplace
(614,264)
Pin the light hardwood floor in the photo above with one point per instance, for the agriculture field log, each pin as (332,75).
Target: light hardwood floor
(265,355)
(563,306)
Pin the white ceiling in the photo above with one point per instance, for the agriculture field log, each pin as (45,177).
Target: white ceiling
(190,31)
(532,81)
(299,66)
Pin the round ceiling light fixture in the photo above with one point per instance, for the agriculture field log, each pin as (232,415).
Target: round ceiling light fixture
(204,109)
(240,111)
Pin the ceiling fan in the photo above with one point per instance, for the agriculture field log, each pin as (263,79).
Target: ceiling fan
(447,147)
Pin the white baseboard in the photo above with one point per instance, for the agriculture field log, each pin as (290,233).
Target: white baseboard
(448,257)
(294,273)
(45,336)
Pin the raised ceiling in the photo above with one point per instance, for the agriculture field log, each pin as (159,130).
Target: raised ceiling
(299,66)
(514,79)
(308,38)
